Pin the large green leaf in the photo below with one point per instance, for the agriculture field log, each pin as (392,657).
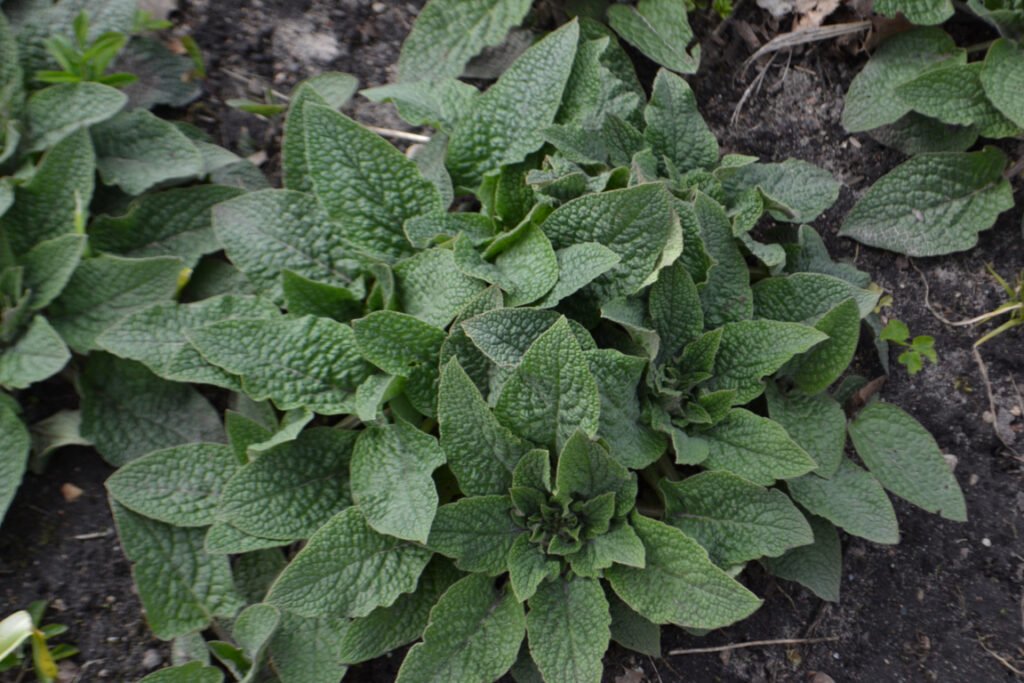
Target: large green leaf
(181,485)
(296,362)
(391,479)
(105,289)
(448,33)
(14,450)
(817,423)
(481,452)
(906,459)
(953,94)
(127,411)
(796,191)
(852,499)
(174,222)
(156,337)
(47,206)
(506,123)
(675,131)
(551,393)
(336,87)
(725,294)
(675,309)
(181,587)
(638,224)
(660,30)
(807,296)
(474,635)
(432,288)
(818,566)
(37,354)
(755,448)
(136,150)
(477,532)
(292,489)
(347,570)
(735,520)
(751,349)
(568,627)
(1003,79)
(817,369)
(871,99)
(59,110)
(366,185)
(680,585)
(49,266)
(933,204)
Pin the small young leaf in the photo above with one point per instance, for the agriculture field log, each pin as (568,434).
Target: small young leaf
(675,130)
(906,459)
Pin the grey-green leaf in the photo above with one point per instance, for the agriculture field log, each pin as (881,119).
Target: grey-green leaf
(568,626)
(675,131)
(1003,79)
(755,448)
(14,450)
(477,532)
(817,423)
(818,566)
(659,29)
(59,110)
(37,354)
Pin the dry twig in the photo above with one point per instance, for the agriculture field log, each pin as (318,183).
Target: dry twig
(1002,660)
(807,35)
(753,643)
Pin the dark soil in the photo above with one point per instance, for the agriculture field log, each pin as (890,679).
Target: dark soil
(925,610)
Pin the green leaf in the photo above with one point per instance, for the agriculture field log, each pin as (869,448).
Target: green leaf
(933,204)
(871,100)
(751,349)
(808,297)
(917,134)
(755,448)
(14,450)
(347,570)
(586,471)
(127,411)
(506,123)
(725,295)
(389,628)
(637,223)
(440,104)
(477,532)
(391,479)
(568,627)
(136,150)
(105,289)
(193,672)
(630,442)
(466,421)
(852,499)
(224,539)
(174,222)
(181,587)
(953,94)
(1003,79)
(303,296)
(675,308)
(294,163)
(660,30)
(505,334)
(59,110)
(618,545)
(265,233)
(156,336)
(473,636)
(296,362)
(403,346)
(46,206)
(292,489)
(917,12)
(735,520)
(529,566)
(551,393)
(906,459)
(817,369)
(675,131)
(526,268)
(795,191)
(306,649)
(36,355)
(448,33)
(49,266)
(364,183)
(179,486)
(632,631)
(432,288)
(817,423)
(253,630)
(578,266)
(679,585)
(818,566)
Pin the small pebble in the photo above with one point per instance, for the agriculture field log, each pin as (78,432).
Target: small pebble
(986,542)
(973,479)
(71,492)
(378,7)
(151,659)
(951,460)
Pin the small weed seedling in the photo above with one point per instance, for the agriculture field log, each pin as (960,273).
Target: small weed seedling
(918,349)
(24,626)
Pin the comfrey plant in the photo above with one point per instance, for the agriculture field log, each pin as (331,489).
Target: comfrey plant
(515,434)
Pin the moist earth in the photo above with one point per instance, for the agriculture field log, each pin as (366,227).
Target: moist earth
(946,604)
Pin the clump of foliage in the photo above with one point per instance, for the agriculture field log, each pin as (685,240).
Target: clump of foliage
(1013,307)
(927,97)
(918,349)
(26,626)
(509,435)
(76,255)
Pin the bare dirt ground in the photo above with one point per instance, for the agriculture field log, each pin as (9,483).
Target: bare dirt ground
(944,605)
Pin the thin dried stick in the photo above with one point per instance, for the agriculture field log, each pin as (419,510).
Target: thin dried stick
(753,643)
(1002,660)
(754,85)
(807,35)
